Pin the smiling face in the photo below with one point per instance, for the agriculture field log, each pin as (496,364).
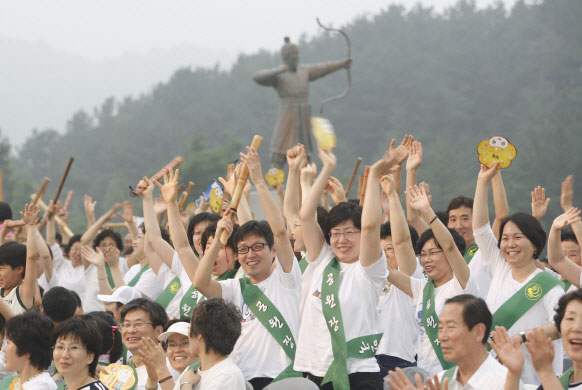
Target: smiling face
(71,358)
(461,220)
(136,325)
(571,330)
(456,340)
(435,264)
(256,263)
(178,351)
(344,239)
(517,249)
(75,254)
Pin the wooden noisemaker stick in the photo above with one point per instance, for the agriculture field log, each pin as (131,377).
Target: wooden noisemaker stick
(41,190)
(158,175)
(349,187)
(68,199)
(364,184)
(240,186)
(360,183)
(59,220)
(182,200)
(62,182)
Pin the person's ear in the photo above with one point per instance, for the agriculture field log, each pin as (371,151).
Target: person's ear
(158,330)
(479,332)
(20,270)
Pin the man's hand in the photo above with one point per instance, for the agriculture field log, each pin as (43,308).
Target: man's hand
(569,217)
(486,174)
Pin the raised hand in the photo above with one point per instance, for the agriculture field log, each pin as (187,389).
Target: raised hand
(230,183)
(225,224)
(30,214)
(127,211)
(508,351)
(541,350)
(159,206)
(400,153)
(147,188)
(89,204)
(336,189)
(424,185)
(399,381)
(90,256)
(486,174)
(388,185)
(539,203)
(327,158)
(414,156)
(295,156)
(417,198)
(569,217)
(567,196)
(154,357)
(308,174)
(253,163)
(111,212)
(170,187)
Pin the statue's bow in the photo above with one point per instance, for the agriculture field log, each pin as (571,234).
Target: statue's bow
(348,69)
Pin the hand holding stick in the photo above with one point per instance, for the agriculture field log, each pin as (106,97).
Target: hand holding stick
(240,185)
(176,162)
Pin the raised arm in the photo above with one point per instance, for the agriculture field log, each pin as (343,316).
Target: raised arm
(480,203)
(127,216)
(499,202)
(28,287)
(403,250)
(91,233)
(177,232)
(274,217)
(202,280)
(313,237)
(370,246)
(566,201)
(412,164)
(45,256)
(89,205)
(292,200)
(556,257)
(419,201)
(152,227)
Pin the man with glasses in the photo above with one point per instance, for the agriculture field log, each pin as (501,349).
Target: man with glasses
(140,319)
(268,298)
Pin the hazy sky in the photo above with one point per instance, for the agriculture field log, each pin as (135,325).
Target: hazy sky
(95,49)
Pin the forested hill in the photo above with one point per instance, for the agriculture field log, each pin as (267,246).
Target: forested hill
(451,80)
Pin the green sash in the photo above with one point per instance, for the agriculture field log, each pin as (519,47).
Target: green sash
(303,264)
(272,319)
(195,367)
(192,297)
(565,378)
(135,279)
(567,285)
(109,276)
(470,252)
(169,292)
(359,348)
(430,322)
(523,300)
(449,374)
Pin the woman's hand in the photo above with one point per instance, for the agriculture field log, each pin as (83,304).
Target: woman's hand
(486,174)
(539,203)
(568,218)
(170,187)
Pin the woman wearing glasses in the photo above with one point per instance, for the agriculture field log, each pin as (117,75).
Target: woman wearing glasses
(76,347)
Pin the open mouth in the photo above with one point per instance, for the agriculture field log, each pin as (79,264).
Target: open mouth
(252,263)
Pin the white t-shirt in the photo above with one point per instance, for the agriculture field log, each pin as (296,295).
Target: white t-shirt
(185,283)
(224,375)
(427,358)
(149,284)
(503,286)
(359,292)
(167,276)
(41,382)
(396,311)
(13,300)
(479,271)
(490,375)
(256,352)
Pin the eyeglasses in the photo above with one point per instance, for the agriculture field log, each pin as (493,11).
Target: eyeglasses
(257,247)
(347,234)
(183,344)
(430,254)
(107,245)
(389,249)
(135,325)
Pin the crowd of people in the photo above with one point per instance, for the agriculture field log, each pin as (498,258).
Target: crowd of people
(343,294)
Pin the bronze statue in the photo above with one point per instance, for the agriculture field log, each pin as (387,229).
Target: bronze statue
(291,81)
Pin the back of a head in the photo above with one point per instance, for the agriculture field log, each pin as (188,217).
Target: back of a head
(59,304)
(112,343)
(218,322)
(5,211)
(31,333)
(475,311)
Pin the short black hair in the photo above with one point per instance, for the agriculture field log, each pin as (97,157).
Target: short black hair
(475,311)
(218,322)
(386,231)
(103,234)
(565,299)
(195,220)
(72,240)
(260,228)
(458,202)
(429,234)
(13,254)
(163,232)
(568,235)
(31,333)
(59,304)
(83,331)
(210,231)
(112,343)
(344,211)
(322,221)
(77,298)
(5,211)
(530,227)
(157,313)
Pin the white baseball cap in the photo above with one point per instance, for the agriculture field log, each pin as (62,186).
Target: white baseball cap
(181,327)
(122,295)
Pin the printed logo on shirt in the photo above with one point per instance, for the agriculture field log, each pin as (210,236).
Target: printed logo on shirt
(317,293)
(533,291)
(174,287)
(386,289)
(247,314)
